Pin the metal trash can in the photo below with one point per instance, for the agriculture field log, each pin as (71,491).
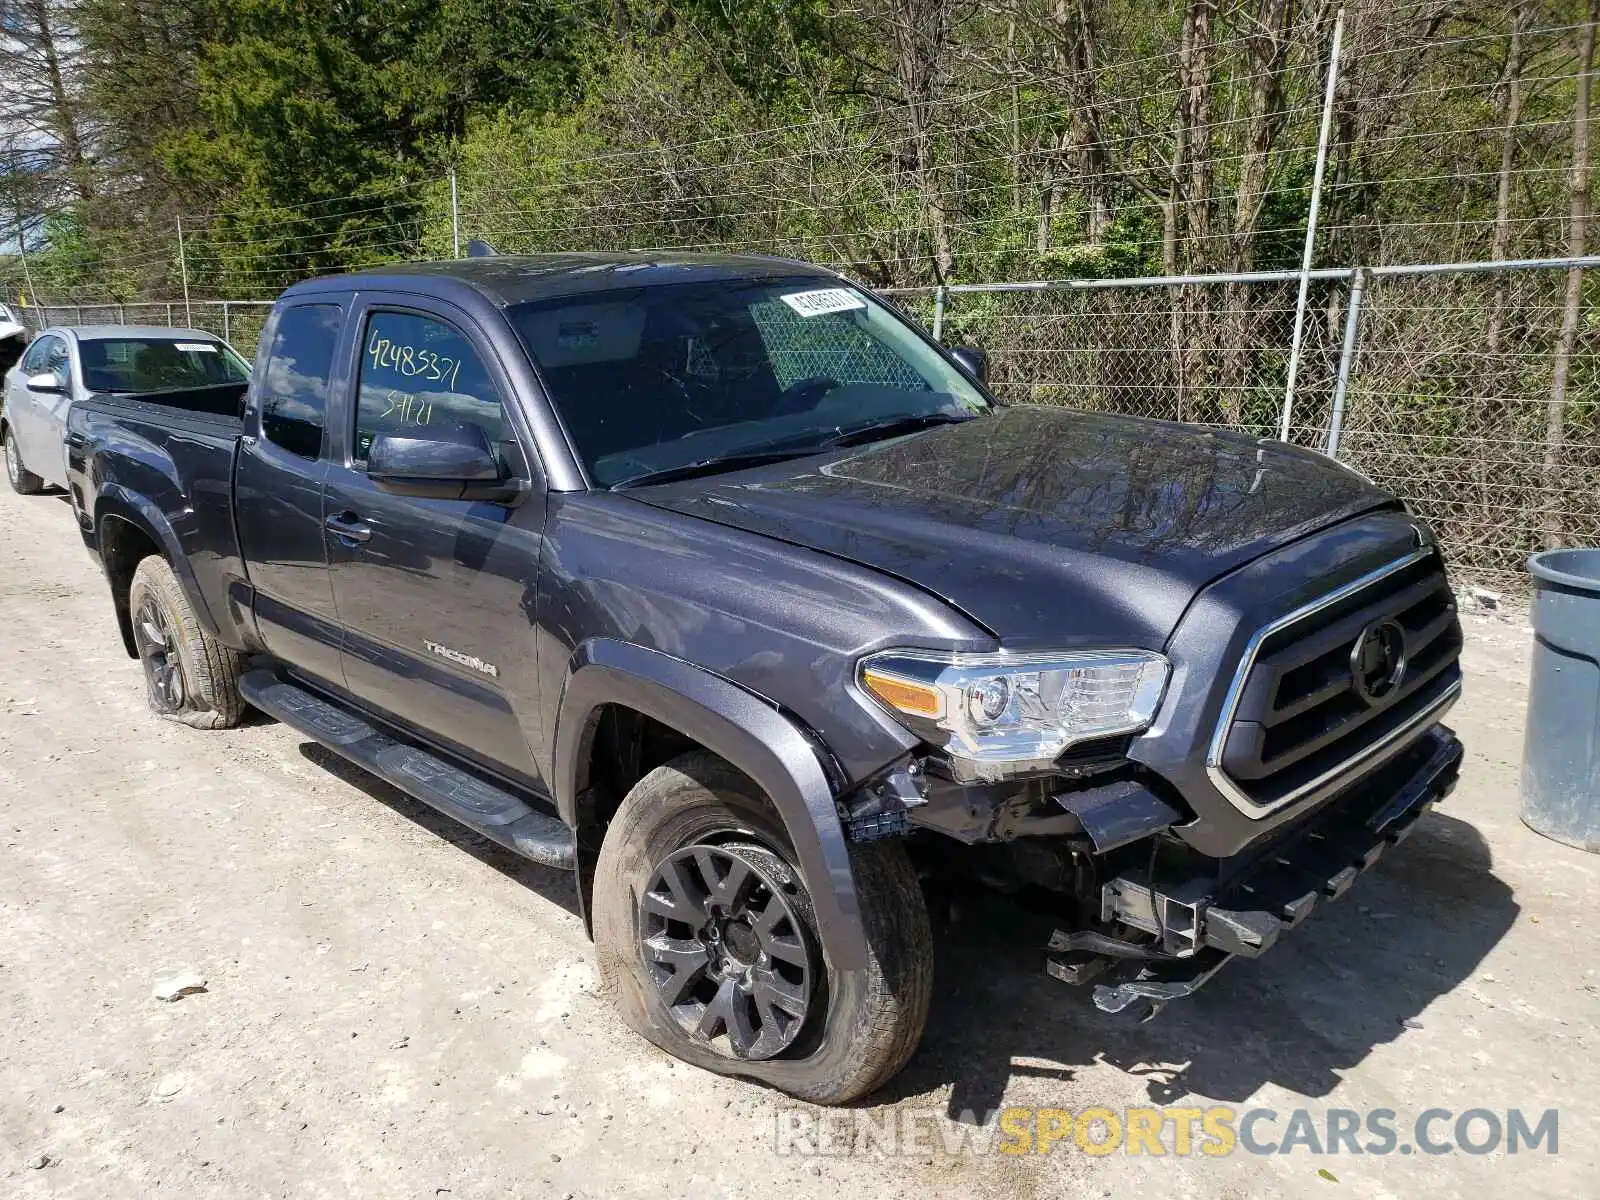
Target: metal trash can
(1561,753)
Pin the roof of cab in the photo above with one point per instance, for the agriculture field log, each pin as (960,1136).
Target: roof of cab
(509,279)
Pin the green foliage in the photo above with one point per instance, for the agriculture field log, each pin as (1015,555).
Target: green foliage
(311,120)
(74,257)
(909,143)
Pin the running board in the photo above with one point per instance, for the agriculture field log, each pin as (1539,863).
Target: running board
(497,814)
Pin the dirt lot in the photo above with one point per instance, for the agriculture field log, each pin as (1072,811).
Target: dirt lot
(397,1008)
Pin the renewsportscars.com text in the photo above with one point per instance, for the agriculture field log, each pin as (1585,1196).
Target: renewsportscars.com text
(1214,1131)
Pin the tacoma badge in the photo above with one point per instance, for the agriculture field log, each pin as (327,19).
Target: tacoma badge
(466,660)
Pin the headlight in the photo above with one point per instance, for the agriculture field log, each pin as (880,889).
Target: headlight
(1003,714)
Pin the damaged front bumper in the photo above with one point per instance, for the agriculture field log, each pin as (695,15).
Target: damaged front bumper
(1199,924)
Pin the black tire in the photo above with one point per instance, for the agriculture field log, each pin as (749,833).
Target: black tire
(23,481)
(190,677)
(861,1028)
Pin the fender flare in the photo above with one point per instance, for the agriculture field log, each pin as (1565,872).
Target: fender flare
(742,727)
(142,513)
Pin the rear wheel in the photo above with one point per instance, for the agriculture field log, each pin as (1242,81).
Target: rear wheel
(708,946)
(190,676)
(23,481)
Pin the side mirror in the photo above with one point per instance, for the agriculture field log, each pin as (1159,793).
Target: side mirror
(975,361)
(46,384)
(452,460)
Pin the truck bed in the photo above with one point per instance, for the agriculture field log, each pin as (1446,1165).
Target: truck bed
(167,469)
(224,403)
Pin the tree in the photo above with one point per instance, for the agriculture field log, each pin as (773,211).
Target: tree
(43,117)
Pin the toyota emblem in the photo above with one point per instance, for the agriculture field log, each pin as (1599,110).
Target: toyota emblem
(1378,660)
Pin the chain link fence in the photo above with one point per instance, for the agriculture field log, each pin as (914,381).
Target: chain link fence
(237,322)
(1450,405)
(1447,377)
(1206,353)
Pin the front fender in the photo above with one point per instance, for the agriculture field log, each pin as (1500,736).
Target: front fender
(745,729)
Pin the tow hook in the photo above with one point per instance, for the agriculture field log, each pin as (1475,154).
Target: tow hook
(1145,977)
(1154,984)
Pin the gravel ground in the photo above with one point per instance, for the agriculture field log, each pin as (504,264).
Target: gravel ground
(395,1007)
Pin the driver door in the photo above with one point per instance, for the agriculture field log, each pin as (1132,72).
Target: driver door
(435,596)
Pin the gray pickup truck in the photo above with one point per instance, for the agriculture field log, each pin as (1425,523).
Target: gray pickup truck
(716,581)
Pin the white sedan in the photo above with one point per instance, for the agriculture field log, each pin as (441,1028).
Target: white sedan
(67,363)
(13,338)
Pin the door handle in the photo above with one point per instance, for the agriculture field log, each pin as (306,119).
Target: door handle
(349,527)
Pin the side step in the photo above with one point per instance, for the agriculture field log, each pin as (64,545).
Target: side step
(497,814)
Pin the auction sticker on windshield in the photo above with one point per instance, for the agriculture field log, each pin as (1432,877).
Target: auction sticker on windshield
(823,300)
(195,347)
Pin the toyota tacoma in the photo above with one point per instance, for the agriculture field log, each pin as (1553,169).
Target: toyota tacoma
(719,583)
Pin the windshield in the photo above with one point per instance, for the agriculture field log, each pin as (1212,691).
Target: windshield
(150,364)
(652,379)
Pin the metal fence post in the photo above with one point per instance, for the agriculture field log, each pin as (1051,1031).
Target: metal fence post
(226,328)
(1347,352)
(77,314)
(169,314)
(1311,226)
(455,217)
(27,272)
(183,270)
(938,311)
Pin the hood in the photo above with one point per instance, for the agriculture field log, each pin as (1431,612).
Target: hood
(1052,528)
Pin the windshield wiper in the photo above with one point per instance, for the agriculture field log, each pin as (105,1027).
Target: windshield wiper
(715,466)
(878,430)
(755,458)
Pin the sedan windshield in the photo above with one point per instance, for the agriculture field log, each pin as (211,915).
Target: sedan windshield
(150,364)
(660,381)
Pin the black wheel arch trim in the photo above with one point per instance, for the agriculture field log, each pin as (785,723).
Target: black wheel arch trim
(750,733)
(125,505)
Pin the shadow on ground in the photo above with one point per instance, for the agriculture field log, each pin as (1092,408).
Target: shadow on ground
(558,887)
(1410,930)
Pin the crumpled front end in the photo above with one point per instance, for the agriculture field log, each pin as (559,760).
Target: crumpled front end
(1299,737)
(1195,923)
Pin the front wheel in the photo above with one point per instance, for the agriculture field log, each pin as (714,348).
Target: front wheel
(707,944)
(23,481)
(190,677)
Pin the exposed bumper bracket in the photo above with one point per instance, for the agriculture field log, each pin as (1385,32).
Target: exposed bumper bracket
(1199,925)
(1154,985)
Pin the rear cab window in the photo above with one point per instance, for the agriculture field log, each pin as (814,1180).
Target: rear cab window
(294,382)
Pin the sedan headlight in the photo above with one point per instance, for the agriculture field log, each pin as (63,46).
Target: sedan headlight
(1004,714)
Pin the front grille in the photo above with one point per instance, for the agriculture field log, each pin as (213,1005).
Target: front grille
(1309,707)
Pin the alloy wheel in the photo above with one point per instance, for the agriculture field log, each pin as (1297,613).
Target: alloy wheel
(722,937)
(13,460)
(159,653)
